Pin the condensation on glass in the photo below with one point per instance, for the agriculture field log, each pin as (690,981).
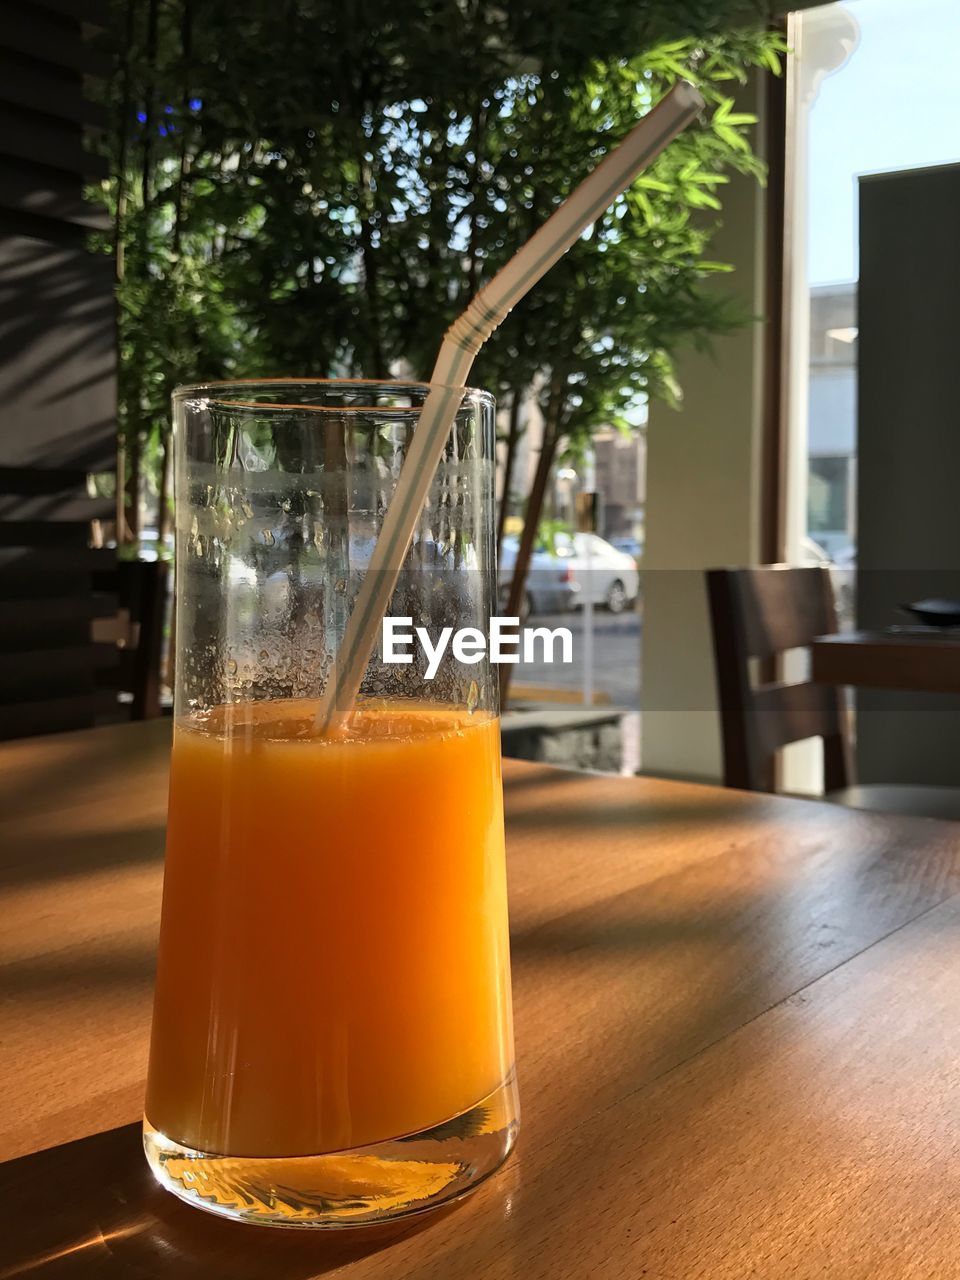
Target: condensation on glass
(278,510)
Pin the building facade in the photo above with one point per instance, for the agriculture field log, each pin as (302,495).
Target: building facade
(832,418)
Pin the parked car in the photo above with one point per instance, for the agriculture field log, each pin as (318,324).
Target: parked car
(843,574)
(551,587)
(631,546)
(559,579)
(811,553)
(611,580)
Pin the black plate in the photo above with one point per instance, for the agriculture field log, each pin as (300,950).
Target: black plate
(935,613)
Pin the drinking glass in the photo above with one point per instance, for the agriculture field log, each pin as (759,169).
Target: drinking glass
(332,1038)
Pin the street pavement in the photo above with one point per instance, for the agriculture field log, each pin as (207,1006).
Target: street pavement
(616,656)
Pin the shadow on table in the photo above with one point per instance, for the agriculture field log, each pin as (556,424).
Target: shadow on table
(63,974)
(91,1208)
(636,932)
(69,766)
(76,854)
(536,775)
(633,813)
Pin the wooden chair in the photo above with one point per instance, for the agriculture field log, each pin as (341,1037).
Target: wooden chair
(136,631)
(757,614)
(56,589)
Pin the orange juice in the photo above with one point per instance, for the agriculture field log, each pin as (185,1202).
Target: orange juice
(333,966)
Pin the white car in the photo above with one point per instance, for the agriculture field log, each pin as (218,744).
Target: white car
(843,575)
(604,575)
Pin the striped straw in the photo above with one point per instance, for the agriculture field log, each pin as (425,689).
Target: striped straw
(463,340)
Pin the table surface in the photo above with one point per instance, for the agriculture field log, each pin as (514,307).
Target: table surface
(737,1029)
(910,660)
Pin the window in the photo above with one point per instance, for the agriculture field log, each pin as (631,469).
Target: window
(829,509)
(858,106)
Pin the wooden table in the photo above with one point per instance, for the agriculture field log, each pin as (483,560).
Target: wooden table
(738,1026)
(925,662)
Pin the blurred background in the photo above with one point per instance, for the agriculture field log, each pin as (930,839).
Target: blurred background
(193,191)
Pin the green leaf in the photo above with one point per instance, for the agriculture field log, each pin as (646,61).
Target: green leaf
(314,169)
(698,199)
(731,137)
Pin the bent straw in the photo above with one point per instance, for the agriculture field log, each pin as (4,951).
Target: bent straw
(457,353)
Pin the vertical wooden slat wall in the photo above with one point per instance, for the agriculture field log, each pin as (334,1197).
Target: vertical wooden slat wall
(57,328)
(57,371)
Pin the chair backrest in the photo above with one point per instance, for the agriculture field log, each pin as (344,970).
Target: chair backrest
(55,590)
(137,630)
(760,613)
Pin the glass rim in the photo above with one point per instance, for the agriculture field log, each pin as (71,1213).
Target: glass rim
(195,390)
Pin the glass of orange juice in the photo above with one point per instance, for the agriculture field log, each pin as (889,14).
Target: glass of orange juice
(332,1039)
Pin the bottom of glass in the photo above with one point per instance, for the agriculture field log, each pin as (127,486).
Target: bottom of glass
(383,1181)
